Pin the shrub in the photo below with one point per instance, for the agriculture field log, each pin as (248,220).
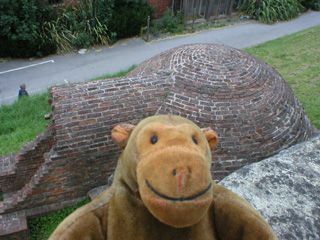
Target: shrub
(128,17)
(270,11)
(169,23)
(20,28)
(78,26)
(82,40)
(311,4)
(104,10)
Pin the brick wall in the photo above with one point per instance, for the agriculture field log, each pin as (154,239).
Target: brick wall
(160,6)
(82,154)
(251,107)
(19,168)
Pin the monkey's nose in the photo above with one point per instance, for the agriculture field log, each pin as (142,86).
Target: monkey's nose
(182,175)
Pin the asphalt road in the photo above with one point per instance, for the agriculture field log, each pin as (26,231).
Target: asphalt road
(40,74)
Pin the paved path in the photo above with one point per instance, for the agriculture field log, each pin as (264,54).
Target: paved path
(41,74)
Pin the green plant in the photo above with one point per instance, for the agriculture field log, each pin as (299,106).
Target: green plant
(169,23)
(41,228)
(311,4)
(22,121)
(78,26)
(121,73)
(128,17)
(20,28)
(82,40)
(270,11)
(104,10)
(155,28)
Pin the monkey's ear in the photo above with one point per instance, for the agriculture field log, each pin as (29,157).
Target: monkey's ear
(211,136)
(121,133)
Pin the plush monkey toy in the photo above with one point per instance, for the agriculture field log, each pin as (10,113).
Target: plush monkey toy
(163,190)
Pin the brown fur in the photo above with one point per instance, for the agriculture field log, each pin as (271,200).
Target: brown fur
(162,190)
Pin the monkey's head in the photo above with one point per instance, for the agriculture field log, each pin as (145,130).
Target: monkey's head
(168,158)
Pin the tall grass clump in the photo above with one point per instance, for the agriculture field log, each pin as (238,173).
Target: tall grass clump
(271,11)
(78,25)
(21,122)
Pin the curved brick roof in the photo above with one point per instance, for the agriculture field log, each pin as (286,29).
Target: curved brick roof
(248,103)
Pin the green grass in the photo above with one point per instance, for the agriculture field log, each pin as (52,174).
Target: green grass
(297,58)
(21,122)
(118,74)
(41,228)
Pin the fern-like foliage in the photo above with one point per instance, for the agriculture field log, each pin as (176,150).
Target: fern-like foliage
(271,11)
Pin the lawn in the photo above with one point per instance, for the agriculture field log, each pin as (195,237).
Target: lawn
(296,57)
(21,122)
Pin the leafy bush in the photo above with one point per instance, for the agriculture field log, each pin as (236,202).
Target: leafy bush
(41,228)
(78,25)
(20,28)
(128,17)
(169,23)
(270,11)
(104,10)
(30,28)
(311,4)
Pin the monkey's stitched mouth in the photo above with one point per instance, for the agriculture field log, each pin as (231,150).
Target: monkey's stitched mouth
(182,199)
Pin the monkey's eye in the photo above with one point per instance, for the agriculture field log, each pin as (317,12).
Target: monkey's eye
(195,140)
(154,139)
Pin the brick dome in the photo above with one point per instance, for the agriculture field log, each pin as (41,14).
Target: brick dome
(248,103)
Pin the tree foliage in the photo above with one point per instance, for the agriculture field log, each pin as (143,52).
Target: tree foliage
(311,4)
(128,17)
(20,28)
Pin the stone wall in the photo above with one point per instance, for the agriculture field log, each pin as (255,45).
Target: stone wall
(285,189)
